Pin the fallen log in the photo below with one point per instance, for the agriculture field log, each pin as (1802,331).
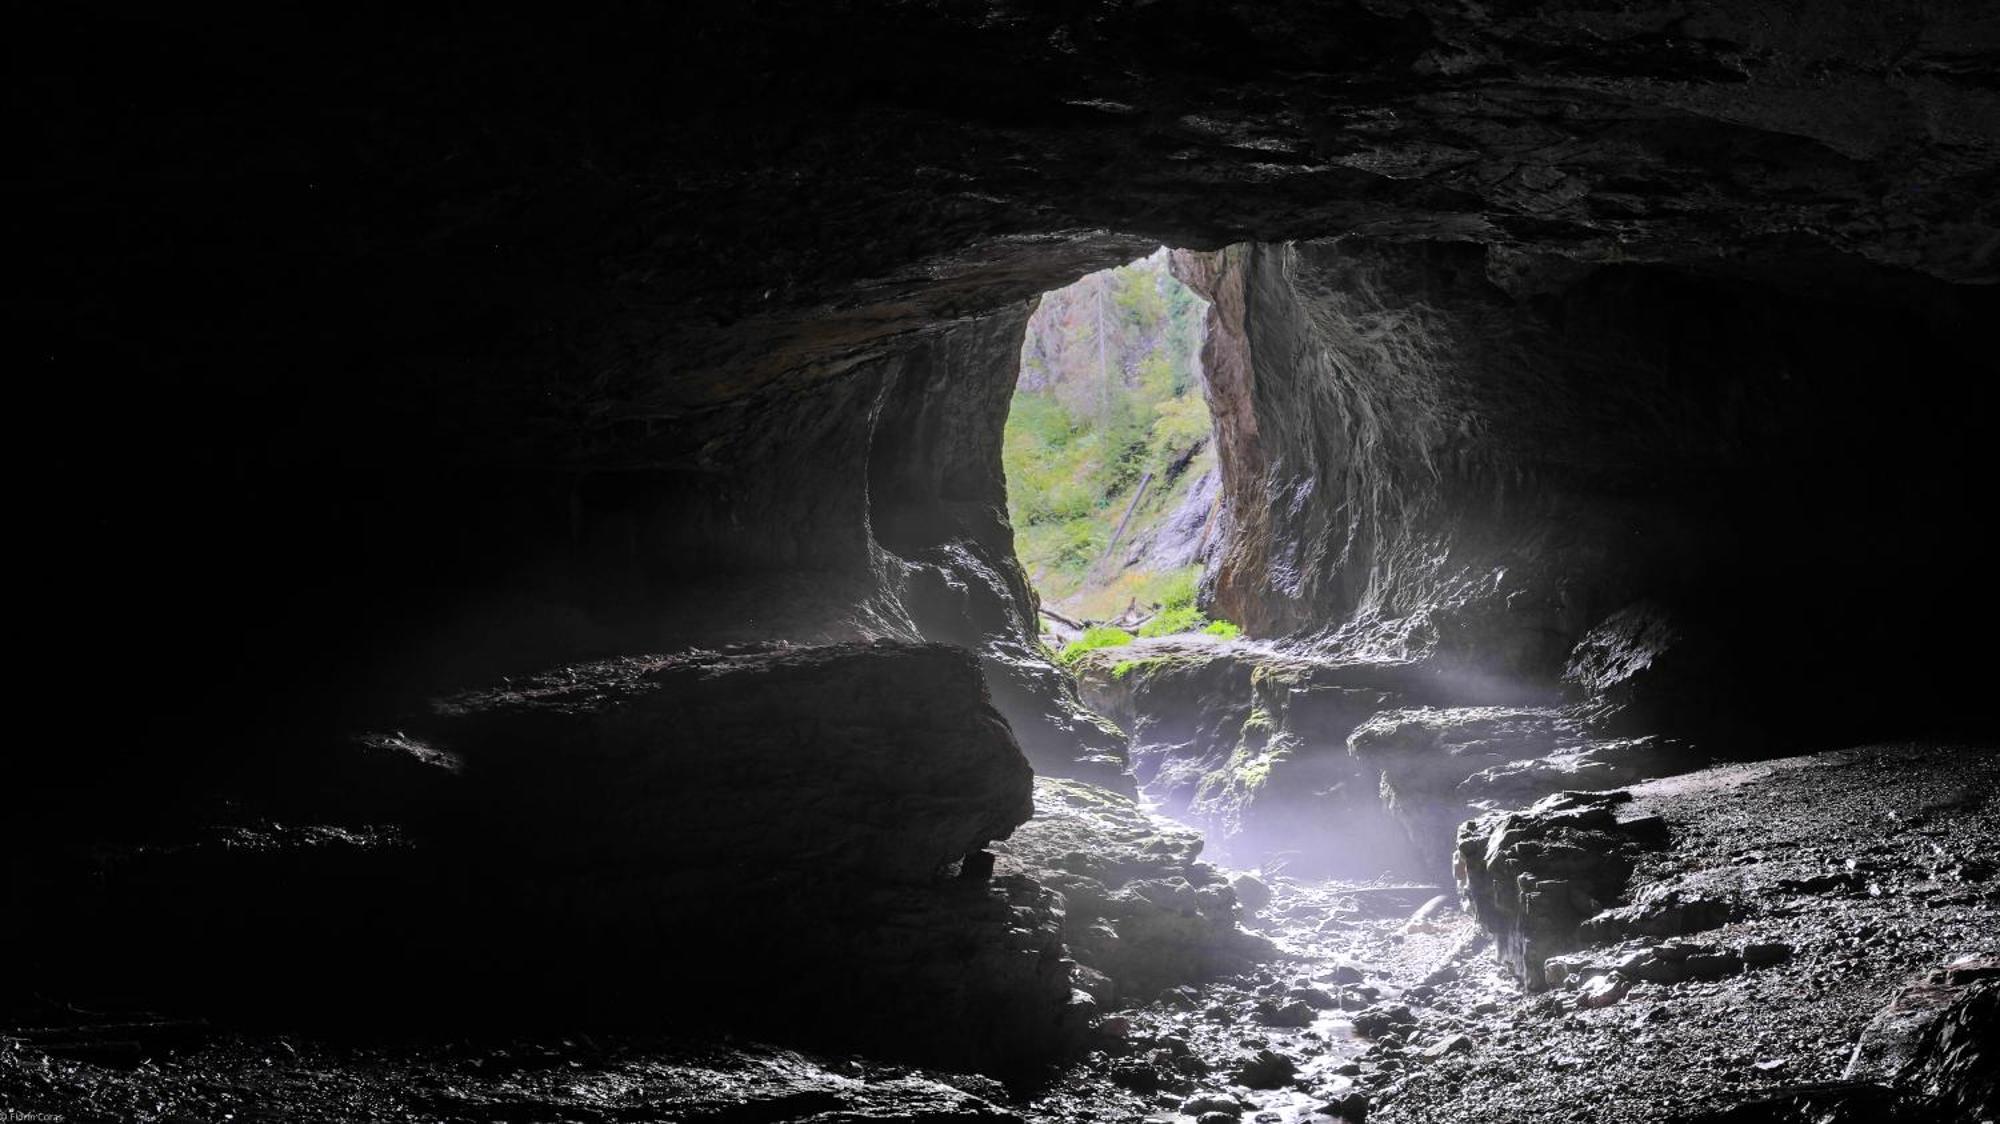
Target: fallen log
(1060,619)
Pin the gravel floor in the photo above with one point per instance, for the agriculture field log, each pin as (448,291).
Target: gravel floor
(1871,865)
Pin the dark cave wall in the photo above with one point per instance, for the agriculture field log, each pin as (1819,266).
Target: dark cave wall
(1465,456)
(1393,439)
(938,509)
(866,504)
(353,337)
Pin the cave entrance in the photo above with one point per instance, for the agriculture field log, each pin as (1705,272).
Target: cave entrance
(1112,475)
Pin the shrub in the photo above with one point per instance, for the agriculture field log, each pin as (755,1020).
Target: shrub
(1169,622)
(1179,590)
(1181,424)
(1223,629)
(1091,640)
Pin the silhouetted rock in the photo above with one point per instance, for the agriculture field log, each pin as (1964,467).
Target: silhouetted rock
(1936,1038)
(795,821)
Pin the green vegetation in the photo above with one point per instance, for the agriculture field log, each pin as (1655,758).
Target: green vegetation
(1169,622)
(1178,613)
(1091,640)
(1123,668)
(1107,395)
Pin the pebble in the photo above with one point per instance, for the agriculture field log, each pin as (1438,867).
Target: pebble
(1352,1108)
(1450,1044)
(1603,991)
(1211,1102)
(1317,998)
(1268,1070)
(1251,892)
(1291,1013)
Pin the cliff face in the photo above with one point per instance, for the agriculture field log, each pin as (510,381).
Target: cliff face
(1459,455)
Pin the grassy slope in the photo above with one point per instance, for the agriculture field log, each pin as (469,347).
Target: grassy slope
(1087,425)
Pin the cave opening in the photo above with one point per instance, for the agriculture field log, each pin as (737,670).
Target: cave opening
(573,595)
(1110,461)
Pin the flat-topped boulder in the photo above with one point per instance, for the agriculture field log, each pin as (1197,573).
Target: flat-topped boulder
(1141,909)
(1534,877)
(883,761)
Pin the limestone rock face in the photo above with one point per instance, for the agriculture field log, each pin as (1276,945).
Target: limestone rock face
(1594,765)
(1424,755)
(1439,766)
(1181,711)
(1430,455)
(1251,744)
(1341,766)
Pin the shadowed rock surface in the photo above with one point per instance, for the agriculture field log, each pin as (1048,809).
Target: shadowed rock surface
(499,346)
(796,821)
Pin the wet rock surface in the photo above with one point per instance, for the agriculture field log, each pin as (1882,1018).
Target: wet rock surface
(1139,907)
(1332,766)
(1423,756)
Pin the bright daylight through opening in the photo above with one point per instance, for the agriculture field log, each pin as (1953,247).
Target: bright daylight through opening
(1111,469)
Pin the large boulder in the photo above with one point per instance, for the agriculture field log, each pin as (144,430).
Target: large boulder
(1936,1040)
(765,839)
(1140,908)
(1534,877)
(883,761)
(805,824)
(1424,754)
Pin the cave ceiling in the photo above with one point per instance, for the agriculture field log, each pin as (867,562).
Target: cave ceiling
(625,221)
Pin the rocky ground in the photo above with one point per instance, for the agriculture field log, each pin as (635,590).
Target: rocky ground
(1816,888)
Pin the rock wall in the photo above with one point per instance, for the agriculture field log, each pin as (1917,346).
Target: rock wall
(1474,458)
(385,360)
